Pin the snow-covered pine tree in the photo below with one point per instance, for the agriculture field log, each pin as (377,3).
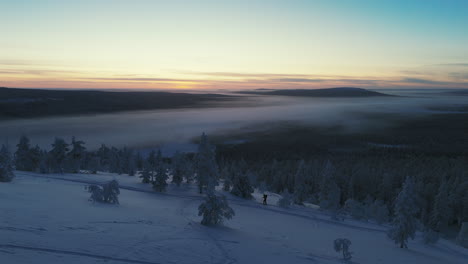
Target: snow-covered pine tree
(160,179)
(405,210)
(22,155)
(206,167)
(300,188)
(6,165)
(76,155)
(58,154)
(215,209)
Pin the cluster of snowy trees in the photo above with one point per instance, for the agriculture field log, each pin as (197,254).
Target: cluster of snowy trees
(365,188)
(417,194)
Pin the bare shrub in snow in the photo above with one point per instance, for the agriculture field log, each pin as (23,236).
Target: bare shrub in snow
(106,193)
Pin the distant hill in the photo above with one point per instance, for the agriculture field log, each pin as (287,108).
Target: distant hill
(328,92)
(30,103)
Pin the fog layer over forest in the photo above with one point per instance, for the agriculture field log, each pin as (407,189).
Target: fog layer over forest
(153,128)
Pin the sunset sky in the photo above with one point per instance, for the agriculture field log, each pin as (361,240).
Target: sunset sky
(234,44)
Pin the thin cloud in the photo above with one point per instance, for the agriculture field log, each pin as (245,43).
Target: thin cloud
(140,79)
(452,64)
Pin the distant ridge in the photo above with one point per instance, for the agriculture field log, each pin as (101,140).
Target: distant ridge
(31,103)
(326,92)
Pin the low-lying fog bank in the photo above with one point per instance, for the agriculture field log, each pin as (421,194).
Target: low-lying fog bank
(143,129)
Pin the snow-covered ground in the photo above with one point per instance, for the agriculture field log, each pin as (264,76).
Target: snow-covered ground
(48,219)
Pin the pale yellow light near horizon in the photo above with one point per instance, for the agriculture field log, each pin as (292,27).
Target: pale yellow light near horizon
(225,46)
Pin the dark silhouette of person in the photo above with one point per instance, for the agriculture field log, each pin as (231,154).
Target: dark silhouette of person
(264,199)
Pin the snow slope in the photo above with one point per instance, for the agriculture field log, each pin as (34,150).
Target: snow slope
(48,219)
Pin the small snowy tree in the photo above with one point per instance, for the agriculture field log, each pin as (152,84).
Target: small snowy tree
(430,236)
(178,168)
(214,210)
(404,222)
(160,179)
(285,200)
(146,174)
(355,209)
(6,165)
(343,244)
(379,212)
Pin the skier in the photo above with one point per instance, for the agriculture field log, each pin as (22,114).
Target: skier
(264,199)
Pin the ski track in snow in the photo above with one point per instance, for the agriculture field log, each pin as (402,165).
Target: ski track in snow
(74,253)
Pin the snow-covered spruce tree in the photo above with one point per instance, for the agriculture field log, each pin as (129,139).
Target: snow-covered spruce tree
(23,159)
(241,185)
(160,179)
(215,209)
(405,210)
(178,168)
(206,167)
(441,212)
(343,244)
(58,154)
(6,165)
(285,200)
(76,155)
(104,157)
(300,187)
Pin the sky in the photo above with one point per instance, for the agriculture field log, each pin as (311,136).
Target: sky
(234,44)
